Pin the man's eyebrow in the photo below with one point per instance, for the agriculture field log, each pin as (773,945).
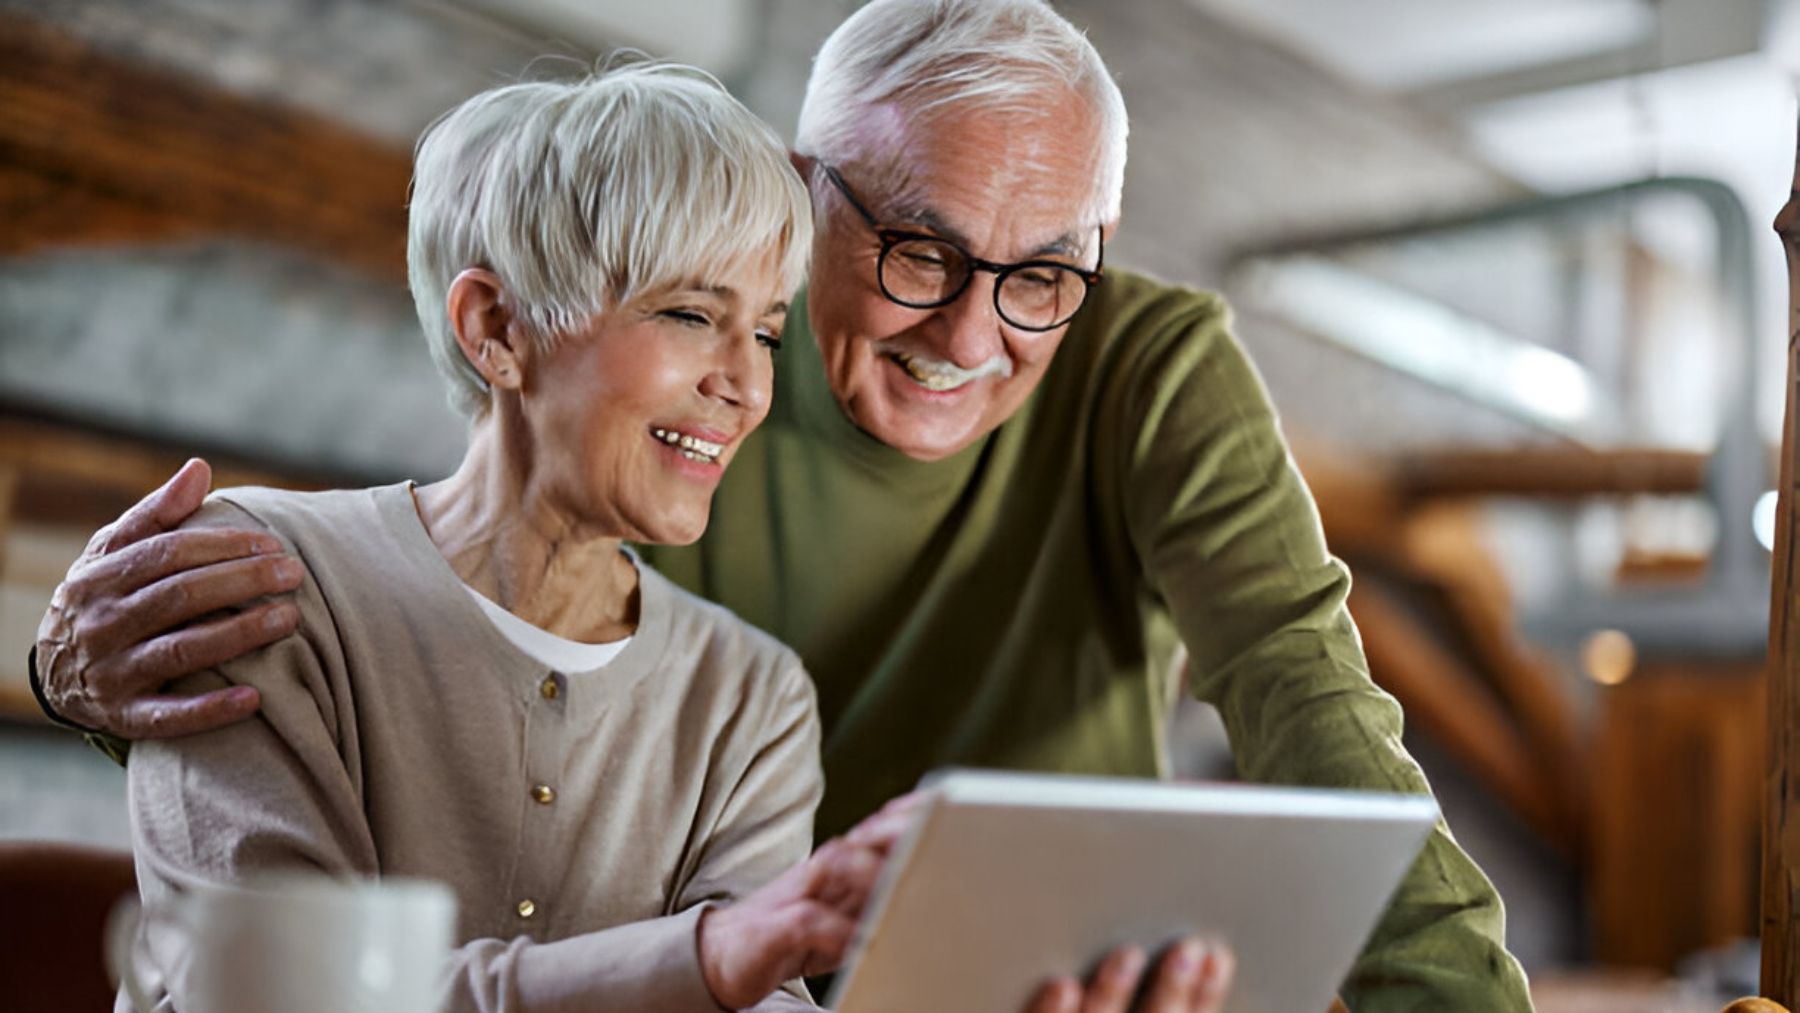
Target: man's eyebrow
(1066,245)
(776,307)
(930,219)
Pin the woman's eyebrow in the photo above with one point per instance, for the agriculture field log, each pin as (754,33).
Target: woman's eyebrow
(706,288)
(731,296)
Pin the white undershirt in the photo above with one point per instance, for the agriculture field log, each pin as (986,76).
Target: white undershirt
(559,653)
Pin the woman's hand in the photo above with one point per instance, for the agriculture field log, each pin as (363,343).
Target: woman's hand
(802,923)
(122,621)
(1192,977)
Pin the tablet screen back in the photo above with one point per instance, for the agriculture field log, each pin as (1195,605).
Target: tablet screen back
(1007,880)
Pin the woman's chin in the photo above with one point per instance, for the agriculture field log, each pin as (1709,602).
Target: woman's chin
(684,530)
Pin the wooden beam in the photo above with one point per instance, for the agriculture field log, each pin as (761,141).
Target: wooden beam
(1781,792)
(38,212)
(96,148)
(1554,472)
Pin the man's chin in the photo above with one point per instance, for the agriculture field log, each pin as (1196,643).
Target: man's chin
(919,435)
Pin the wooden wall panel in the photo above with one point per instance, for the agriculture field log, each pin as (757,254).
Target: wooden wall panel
(96,149)
(1676,812)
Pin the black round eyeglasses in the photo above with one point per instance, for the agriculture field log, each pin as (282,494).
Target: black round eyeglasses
(920,272)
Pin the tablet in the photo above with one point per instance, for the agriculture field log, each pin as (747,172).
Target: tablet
(1005,880)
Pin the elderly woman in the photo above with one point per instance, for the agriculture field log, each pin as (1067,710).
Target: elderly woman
(488,689)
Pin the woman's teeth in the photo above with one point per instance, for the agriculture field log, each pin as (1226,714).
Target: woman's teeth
(691,447)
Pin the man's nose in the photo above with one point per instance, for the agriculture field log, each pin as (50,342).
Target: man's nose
(970,328)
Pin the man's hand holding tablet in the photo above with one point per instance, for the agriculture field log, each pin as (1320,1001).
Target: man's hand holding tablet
(1192,977)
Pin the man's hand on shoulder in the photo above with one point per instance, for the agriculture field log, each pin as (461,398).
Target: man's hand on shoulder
(123,621)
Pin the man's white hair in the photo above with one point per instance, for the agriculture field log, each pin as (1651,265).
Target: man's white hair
(927,55)
(581,194)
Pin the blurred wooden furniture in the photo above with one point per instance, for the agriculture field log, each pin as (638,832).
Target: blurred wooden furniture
(1462,672)
(56,898)
(1653,799)
(1461,669)
(1675,811)
(1601,990)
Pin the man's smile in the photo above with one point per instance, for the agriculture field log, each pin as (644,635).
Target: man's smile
(938,375)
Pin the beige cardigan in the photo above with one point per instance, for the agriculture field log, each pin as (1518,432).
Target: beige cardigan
(401,734)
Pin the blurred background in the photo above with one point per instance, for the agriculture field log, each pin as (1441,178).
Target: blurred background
(1506,266)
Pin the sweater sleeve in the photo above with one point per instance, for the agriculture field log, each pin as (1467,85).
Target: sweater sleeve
(282,792)
(1228,538)
(766,826)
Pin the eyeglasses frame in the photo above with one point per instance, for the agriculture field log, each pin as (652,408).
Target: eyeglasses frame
(891,237)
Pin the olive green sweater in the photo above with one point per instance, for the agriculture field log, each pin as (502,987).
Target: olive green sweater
(1023,604)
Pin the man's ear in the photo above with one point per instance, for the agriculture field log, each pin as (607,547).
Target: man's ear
(484,326)
(1109,230)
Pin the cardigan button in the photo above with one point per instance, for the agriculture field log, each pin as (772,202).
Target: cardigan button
(543,794)
(527,908)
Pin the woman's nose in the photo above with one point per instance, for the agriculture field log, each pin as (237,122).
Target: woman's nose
(740,377)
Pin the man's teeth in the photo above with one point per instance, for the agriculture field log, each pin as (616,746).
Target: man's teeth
(932,375)
(691,447)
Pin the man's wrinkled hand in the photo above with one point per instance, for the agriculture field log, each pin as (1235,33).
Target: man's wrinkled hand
(123,621)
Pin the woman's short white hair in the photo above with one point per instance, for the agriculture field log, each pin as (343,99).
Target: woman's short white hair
(926,55)
(581,194)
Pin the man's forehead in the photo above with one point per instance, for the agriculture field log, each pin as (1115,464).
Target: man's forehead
(953,170)
(1054,217)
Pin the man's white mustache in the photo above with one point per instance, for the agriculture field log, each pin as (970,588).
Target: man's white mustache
(942,374)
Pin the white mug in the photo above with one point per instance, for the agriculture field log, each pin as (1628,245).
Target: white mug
(290,945)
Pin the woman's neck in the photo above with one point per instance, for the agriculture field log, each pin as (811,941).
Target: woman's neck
(506,536)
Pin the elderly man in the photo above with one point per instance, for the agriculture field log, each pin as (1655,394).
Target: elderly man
(997,495)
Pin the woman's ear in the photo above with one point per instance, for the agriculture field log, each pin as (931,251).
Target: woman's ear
(485,328)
